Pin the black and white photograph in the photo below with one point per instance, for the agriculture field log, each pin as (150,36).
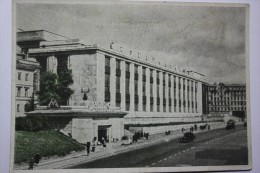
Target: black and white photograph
(127,86)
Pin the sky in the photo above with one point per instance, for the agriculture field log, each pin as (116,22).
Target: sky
(206,39)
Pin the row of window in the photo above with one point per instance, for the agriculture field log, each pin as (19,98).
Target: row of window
(229,103)
(26,77)
(228,109)
(143,83)
(19,89)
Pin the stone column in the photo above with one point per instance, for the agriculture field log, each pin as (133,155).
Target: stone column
(132,88)
(186,96)
(193,92)
(172,92)
(100,78)
(52,64)
(189,96)
(182,107)
(177,94)
(161,91)
(147,73)
(140,88)
(113,81)
(122,85)
(167,91)
(199,97)
(154,91)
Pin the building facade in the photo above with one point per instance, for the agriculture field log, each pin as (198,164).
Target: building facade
(149,91)
(26,82)
(140,89)
(227,98)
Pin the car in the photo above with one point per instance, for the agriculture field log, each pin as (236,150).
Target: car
(126,140)
(231,125)
(187,137)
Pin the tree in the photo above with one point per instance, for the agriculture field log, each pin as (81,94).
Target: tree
(55,86)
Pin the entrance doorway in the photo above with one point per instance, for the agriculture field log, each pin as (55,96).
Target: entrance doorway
(103,132)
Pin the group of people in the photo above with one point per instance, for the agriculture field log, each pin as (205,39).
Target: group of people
(139,135)
(195,128)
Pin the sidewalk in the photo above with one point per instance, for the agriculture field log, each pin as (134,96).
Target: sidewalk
(111,149)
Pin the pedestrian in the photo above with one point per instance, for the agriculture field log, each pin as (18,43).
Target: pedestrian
(31,163)
(104,142)
(37,158)
(94,144)
(88,147)
(208,127)
(195,127)
(147,134)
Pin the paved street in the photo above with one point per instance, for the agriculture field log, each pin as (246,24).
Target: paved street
(218,147)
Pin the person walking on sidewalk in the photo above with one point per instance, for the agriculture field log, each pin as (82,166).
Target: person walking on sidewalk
(88,147)
(31,163)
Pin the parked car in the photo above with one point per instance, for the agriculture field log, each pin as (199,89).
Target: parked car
(187,137)
(126,140)
(231,125)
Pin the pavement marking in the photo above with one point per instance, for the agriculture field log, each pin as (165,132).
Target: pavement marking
(160,161)
(165,159)
(184,151)
(153,163)
(192,148)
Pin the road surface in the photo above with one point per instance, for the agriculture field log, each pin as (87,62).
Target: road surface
(211,148)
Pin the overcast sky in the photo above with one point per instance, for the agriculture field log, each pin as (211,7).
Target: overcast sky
(209,40)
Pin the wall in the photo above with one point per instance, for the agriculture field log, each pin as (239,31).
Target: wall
(84,72)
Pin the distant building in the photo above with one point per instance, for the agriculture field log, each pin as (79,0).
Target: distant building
(26,81)
(229,98)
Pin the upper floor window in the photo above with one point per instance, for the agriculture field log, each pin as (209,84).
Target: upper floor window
(117,64)
(107,61)
(127,66)
(18,108)
(18,91)
(26,76)
(19,75)
(136,69)
(26,92)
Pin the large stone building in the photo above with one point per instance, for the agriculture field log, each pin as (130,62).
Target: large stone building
(227,98)
(147,91)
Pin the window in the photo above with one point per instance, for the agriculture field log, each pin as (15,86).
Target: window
(127,82)
(17,108)
(117,64)
(127,67)
(26,92)
(19,75)
(136,86)
(18,91)
(107,82)
(117,84)
(136,69)
(26,76)
(107,61)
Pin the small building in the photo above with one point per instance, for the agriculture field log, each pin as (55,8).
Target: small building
(26,82)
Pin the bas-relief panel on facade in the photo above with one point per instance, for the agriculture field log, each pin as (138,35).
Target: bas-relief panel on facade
(84,71)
